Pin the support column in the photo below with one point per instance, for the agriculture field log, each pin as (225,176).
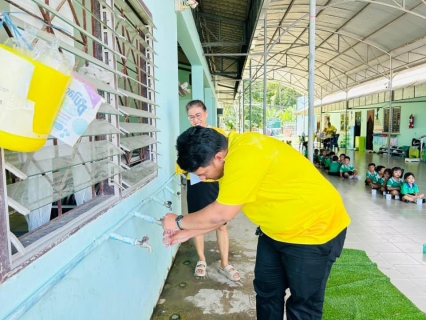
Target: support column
(250,109)
(243,108)
(265,60)
(215,121)
(197,83)
(390,107)
(311,81)
(210,106)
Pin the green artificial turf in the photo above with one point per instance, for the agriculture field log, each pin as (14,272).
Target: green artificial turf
(357,290)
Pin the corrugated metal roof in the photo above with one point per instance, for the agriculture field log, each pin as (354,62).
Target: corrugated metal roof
(225,27)
(354,42)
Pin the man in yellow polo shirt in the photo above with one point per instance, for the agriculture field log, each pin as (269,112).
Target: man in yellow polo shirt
(301,217)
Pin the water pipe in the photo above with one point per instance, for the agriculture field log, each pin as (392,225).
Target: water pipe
(167,204)
(148,218)
(177,194)
(38,294)
(143,243)
(179,176)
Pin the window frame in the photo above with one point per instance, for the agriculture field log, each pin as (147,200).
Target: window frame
(112,188)
(396,119)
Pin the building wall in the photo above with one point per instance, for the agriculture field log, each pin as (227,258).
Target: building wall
(183,118)
(114,280)
(202,86)
(416,106)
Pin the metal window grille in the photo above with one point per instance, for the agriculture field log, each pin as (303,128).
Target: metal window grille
(117,153)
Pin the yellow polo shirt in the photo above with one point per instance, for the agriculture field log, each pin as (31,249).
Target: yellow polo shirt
(280,190)
(330,130)
(178,170)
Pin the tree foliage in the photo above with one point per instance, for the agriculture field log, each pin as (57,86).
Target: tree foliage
(280,101)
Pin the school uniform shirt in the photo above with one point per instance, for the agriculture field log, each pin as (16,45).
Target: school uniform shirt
(393,183)
(381,181)
(334,167)
(344,168)
(259,175)
(373,176)
(407,189)
(328,162)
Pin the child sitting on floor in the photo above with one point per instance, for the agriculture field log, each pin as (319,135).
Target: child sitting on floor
(347,170)
(377,184)
(394,183)
(342,158)
(329,160)
(384,180)
(334,167)
(371,175)
(316,157)
(323,157)
(410,190)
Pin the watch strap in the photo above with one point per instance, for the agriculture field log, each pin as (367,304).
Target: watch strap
(178,219)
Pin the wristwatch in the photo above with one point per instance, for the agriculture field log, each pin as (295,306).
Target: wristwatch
(178,219)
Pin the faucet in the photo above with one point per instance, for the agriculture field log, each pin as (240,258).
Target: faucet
(167,204)
(143,243)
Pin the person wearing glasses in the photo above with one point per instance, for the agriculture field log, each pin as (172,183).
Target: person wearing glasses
(202,193)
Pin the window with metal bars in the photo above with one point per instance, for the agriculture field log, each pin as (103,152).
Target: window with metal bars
(110,43)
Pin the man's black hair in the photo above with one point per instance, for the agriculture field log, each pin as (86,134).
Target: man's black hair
(371,164)
(197,147)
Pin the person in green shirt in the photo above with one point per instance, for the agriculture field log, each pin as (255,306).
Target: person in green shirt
(316,157)
(410,190)
(323,157)
(329,160)
(380,178)
(395,182)
(384,180)
(334,167)
(371,176)
(347,170)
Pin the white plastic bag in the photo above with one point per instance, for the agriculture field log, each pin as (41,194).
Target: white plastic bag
(78,110)
(16,112)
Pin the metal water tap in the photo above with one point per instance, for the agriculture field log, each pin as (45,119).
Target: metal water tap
(144,243)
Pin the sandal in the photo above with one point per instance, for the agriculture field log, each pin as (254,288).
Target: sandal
(200,269)
(229,272)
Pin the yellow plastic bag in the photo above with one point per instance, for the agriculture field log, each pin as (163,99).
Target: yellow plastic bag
(47,90)
(16,112)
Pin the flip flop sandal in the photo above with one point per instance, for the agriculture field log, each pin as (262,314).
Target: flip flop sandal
(229,272)
(200,269)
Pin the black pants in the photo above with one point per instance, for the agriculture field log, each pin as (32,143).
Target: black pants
(302,268)
(201,194)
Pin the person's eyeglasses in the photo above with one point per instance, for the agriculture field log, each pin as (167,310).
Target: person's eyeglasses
(196,116)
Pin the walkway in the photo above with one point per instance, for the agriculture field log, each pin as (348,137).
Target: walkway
(391,232)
